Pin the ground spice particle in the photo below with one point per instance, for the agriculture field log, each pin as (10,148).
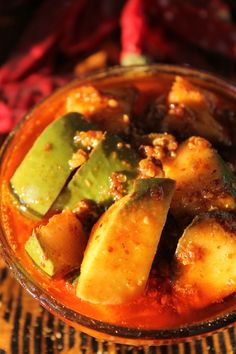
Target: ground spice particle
(117,181)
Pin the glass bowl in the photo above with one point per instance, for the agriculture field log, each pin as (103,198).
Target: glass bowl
(52,106)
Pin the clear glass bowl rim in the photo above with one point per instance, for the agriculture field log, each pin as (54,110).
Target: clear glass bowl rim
(164,335)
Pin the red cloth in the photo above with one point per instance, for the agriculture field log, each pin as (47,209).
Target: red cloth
(62,32)
(58,28)
(133,24)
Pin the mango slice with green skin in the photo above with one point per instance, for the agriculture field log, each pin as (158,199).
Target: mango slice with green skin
(92,180)
(205,259)
(37,254)
(123,243)
(203,180)
(43,172)
(58,247)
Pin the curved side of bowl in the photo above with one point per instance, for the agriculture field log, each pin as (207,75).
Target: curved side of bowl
(99,329)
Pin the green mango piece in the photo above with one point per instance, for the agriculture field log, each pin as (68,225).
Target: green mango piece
(45,169)
(123,243)
(92,180)
(36,252)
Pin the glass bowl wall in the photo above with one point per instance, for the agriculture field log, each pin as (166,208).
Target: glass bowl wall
(100,329)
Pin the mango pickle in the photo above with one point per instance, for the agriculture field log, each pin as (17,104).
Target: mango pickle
(63,231)
(204,182)
(92,180)
(205,258)
(128,245)
(134,191)
(45,169)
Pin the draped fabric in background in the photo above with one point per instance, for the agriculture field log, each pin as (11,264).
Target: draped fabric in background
(44,44)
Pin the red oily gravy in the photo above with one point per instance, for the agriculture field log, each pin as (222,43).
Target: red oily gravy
(160,306)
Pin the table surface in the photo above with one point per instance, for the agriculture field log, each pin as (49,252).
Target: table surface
(25,327)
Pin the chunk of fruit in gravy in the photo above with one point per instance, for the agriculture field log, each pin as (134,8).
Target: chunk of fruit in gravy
(92,181)
(191,112)
(38,255)
(58,247)
(203,180)
(44,170)
(109,108)
(123,244)
(205,259)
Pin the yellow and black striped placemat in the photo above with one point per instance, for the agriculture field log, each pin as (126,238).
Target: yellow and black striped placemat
(25,327)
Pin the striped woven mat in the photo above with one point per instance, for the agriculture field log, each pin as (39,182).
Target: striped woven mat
(25,327)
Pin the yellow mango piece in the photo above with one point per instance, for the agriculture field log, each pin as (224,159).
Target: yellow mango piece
(110,109)
(205,259)
(191,112)
(123,244)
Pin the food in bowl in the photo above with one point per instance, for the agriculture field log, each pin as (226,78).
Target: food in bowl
(118,198)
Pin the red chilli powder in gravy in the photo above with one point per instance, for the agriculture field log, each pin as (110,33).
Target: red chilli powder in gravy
(160,306)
